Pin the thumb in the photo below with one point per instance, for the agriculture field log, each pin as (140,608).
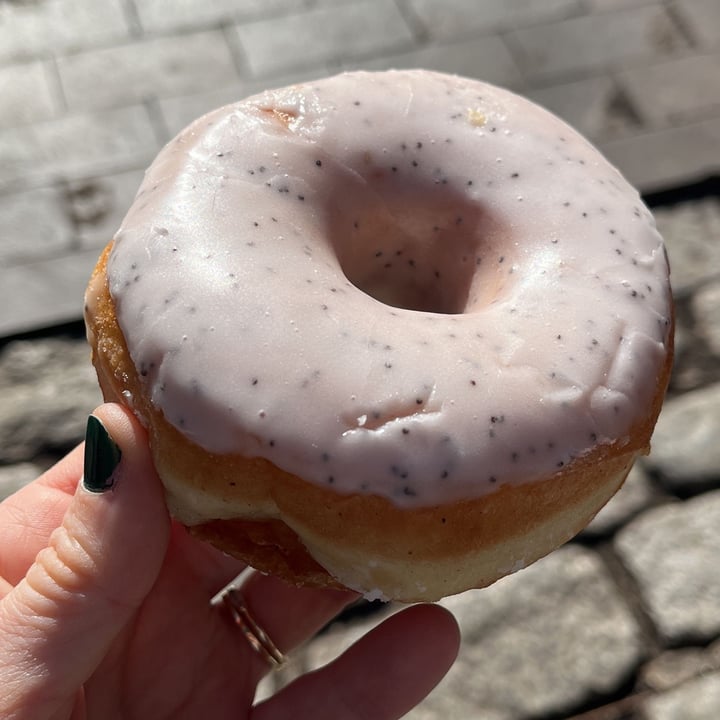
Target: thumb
(58,623)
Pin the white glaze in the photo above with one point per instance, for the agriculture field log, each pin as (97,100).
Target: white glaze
(543,335)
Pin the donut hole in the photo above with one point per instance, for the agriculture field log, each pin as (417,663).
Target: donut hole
(440,256)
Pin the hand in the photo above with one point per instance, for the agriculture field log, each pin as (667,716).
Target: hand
(104,613)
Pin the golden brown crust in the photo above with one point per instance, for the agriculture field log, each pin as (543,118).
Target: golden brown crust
(283,525)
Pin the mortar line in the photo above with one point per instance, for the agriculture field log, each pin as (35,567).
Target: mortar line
(236,50)
(54,79)
(132,17)
(157,119)
(414,22)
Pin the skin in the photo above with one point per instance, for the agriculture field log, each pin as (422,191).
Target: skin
(104,613)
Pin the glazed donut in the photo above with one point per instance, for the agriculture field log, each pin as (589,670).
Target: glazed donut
(399,332)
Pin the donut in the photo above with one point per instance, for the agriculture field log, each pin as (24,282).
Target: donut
(400,332)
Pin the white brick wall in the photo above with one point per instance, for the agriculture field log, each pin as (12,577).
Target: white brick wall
(661,159)
(487,58)
(449,19)
(98,205)
(129,73)
(75,146)
(42,28)
(90,89)
(44,293)
(33,224)
(26,93)
(594,42)
(321,35)
(676,90)
(702,18)
(594,106)
(177,15)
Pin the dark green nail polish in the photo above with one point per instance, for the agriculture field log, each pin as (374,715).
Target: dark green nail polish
(102,456)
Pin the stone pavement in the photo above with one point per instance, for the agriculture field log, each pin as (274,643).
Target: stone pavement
(624,622)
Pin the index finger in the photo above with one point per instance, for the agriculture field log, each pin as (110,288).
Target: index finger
(29,516)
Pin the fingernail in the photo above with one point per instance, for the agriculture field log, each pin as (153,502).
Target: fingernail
(102,456)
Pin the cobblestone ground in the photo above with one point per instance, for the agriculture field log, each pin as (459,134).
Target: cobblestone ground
(623,623)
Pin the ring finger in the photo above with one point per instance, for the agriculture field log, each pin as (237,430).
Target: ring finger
(287,615)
